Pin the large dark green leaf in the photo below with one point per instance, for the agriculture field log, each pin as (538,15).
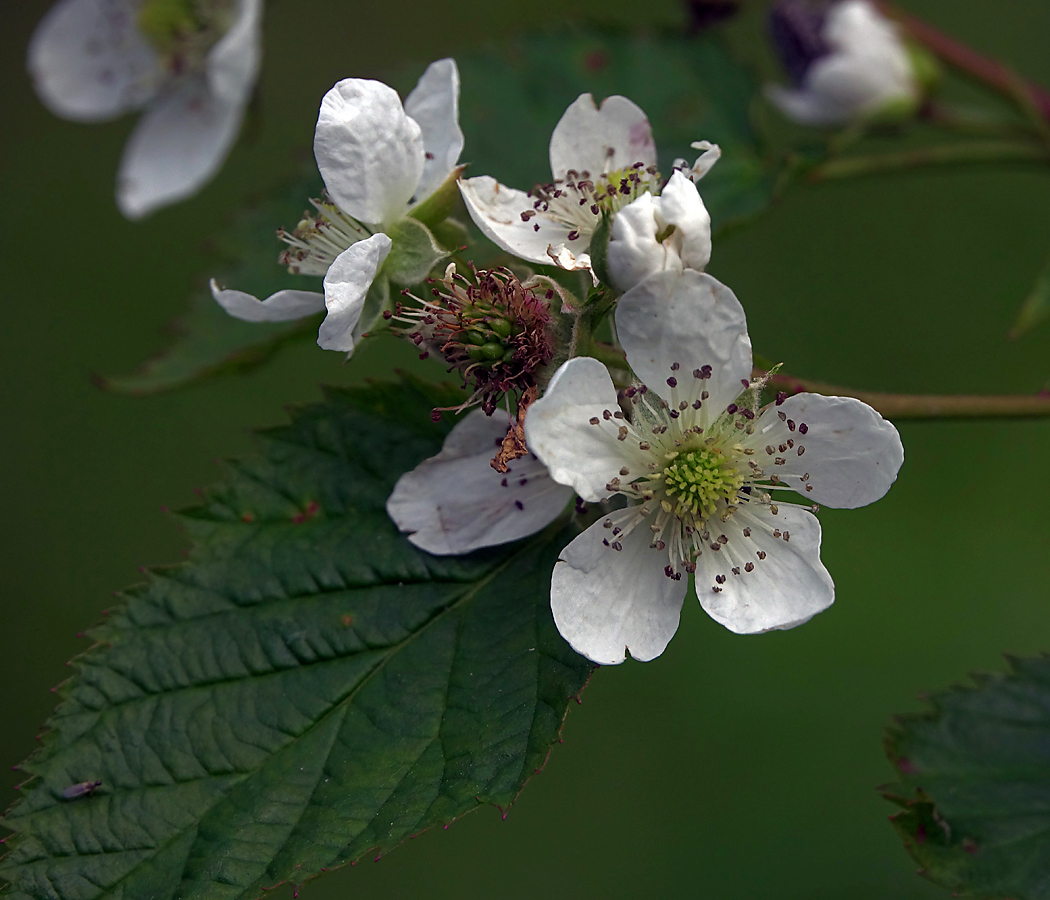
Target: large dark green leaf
(691,89)
(975,785)
(306,689)
(207,341)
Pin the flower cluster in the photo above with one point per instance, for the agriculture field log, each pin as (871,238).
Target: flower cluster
(657,442)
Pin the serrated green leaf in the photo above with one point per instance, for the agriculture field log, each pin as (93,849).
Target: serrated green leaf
(691,89)
(413,253)
(206,340)
(306,689)
(975,785)
(1036,308)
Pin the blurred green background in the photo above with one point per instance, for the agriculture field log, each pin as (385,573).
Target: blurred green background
(731,767)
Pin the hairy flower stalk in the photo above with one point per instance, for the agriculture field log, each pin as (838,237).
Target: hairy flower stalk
(493,330)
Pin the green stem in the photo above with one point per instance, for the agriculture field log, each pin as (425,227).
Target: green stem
(949,154)
(927,406)
(608,354)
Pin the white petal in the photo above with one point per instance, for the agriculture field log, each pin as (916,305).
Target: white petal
(786,588)
(369,152)
(176,148)
(558,428)
(345,287)
(634,253)
(680,205)
(851,453)
(233,63)
(434,105)
(456,502)
(690,319)
(90,62)
(284,306)
(856,26)
(852,85)
(565,259)
(597,140)
(806,107)
(711,154)
(607,601)
(496,209)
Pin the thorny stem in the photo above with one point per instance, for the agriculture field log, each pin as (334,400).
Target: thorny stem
(989,71)
(948,154)
(926,406)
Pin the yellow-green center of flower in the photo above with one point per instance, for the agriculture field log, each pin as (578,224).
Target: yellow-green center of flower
(182,31)
(697,480)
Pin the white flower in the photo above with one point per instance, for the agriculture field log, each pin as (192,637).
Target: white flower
(671,231)
(848,63)
(700,475)
(191,67)
(456,502)
(383,166)
(602,158)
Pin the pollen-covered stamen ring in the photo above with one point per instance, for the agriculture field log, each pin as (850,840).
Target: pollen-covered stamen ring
(578,200)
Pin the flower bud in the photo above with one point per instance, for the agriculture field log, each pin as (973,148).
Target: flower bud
(847,63)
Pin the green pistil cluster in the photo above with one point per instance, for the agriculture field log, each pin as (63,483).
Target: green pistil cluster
(490,337)
(697,480)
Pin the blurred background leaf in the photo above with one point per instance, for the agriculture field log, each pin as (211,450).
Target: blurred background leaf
(1036,308)
(975,784)
(205,340)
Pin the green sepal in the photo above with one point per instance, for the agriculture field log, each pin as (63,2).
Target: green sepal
(439,205)
(451,234)
(413,253)
(599,249)
(377,301)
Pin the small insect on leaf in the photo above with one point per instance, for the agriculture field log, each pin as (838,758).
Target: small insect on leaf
(80,790)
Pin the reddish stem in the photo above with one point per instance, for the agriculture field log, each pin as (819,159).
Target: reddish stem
(926,406)
(990,71)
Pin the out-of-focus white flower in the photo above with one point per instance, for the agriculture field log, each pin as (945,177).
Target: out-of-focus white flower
(387,168)
(671,231)
(456,502)
(602,159)
(190,65)
(847,62)
(700,468)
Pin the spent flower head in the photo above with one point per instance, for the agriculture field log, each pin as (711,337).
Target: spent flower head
(491,328)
